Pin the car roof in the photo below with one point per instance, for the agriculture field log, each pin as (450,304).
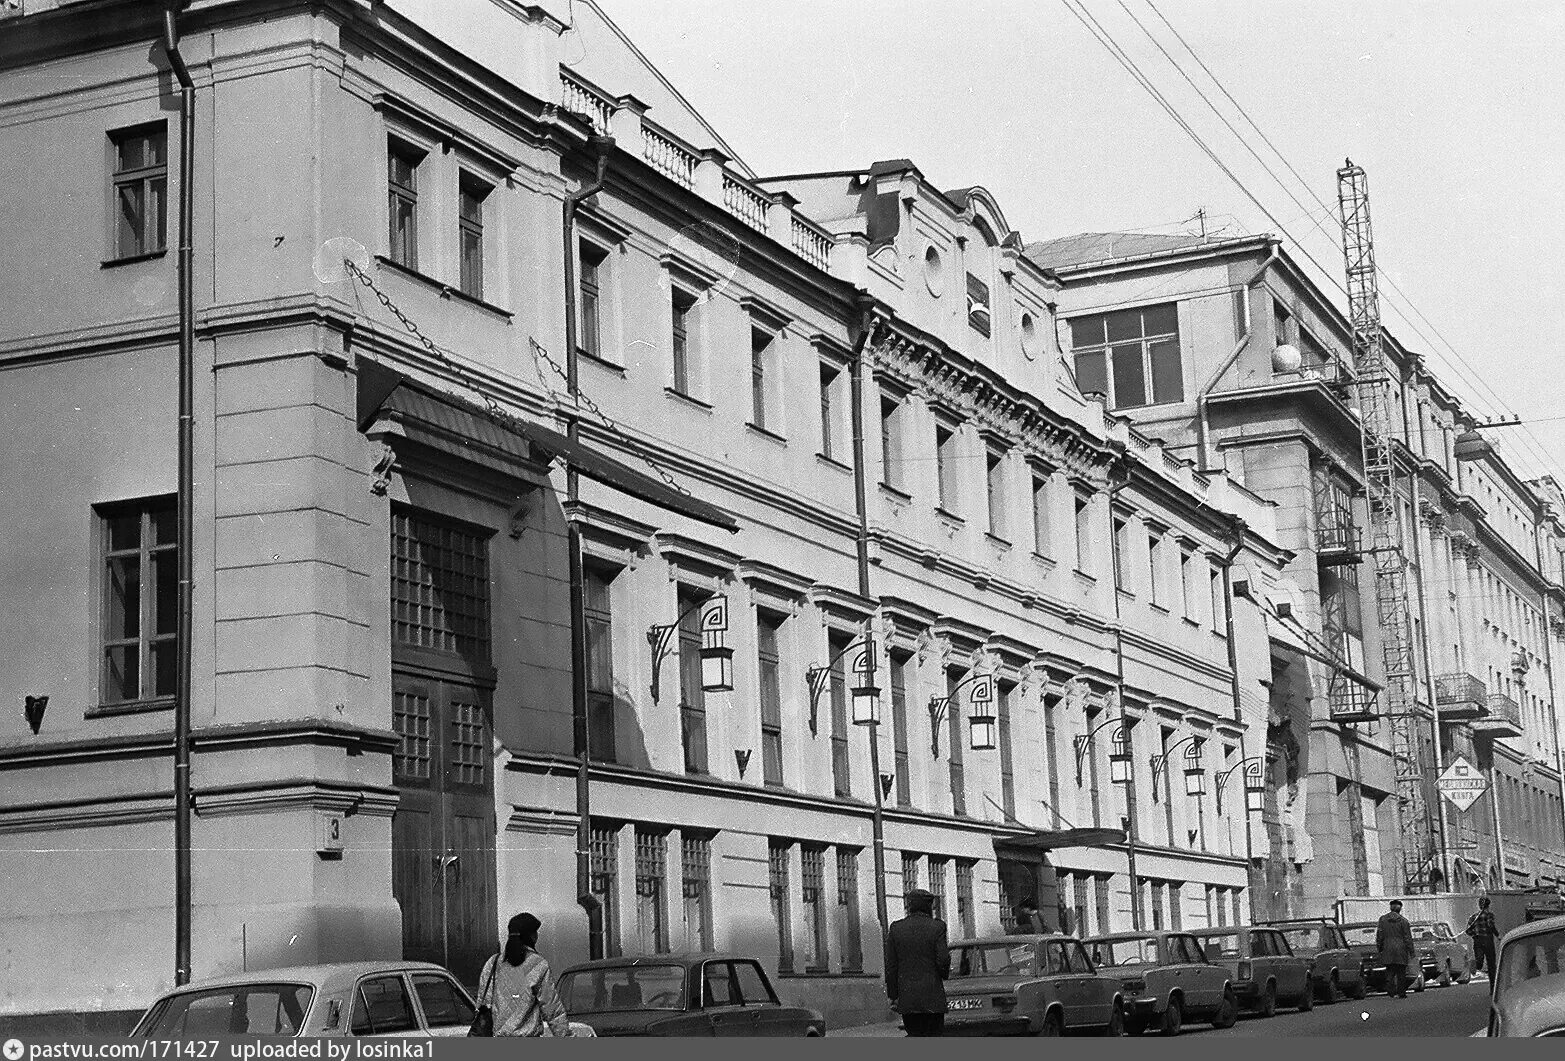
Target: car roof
(1151,933)
(1230,931)
(1529,928)
(1359,924)
(1296,922)
(322,975)
(1031,937)
(685,958)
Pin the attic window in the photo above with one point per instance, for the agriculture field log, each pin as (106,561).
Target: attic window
(978,305)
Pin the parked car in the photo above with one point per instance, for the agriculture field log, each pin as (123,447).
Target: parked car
(681,994)
(1166,980)
(1335,968)
(1441,954)
(1361,939)
(1029,985)
(1264,970)
(1529,992)
(391,998)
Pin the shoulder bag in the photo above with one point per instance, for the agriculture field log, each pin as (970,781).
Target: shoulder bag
(483,1020)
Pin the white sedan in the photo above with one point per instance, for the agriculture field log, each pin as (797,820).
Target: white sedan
(1529,991)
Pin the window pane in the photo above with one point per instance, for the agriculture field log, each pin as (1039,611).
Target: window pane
(1160,320)
(752,987)
(165,664)
(152,235)
(1130,384)
(165,526)
(124,611)
(1086,331)
(123,679)
(443,1005)
(132,219)
(387,1005)
(1092,372)
(1168,384)
(165,607)
(1124,324)
(472,278)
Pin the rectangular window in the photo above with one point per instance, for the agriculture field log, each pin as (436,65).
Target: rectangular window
(1052,755)
(937,884)
(1132,355)
(995,481)
(836,648)
(760,368)
(978,305)
(1122,554)
(812,862)
(695,857)
(909,871)
(1187,585)
(1083,534)
(954,749)
(946,464)
(651,892)
(140,190)
(140,601)
(439,587)
(901,669)
(891,415)
(600,663)
(1157,905)
(1155,569)
(1079,903)
(1003,700)
(692,700)
(402,207)
(683,304)
(594,260)
(1239,918)
(470,229)
(849,928)
(966,917)
(1100,892)
(1215,585)
(831,377)
(777,881)
(1040,513)
(769,660)
(1169,767)
(1094,789)
(603,859)
(1176,900)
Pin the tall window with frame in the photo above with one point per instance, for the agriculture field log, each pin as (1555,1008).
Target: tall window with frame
(947,472)
(812,865)
(471,193)
(1052,756)
(901,670)
(1157,890)
(695,856)
(832,446)
(1155,592)
(1215,585)
(1187,586)
(600,663)
(1094,788)
(1083,533)
(909,871)
(652,891)
(594,262)
(1100,896)
(769,660)
(692,699)
(1079,903)
(140,190)
(966,917)
(1169,766)
(1121,528)
(1005,698)
(1130,355)
(1040,512)
(893,413)
(603,866)
(954,748)
(837,646)
(762,350)
(937,883)
(994,480)
(683,305)
(140,602)
(777,881)
(849,928)
(402,162)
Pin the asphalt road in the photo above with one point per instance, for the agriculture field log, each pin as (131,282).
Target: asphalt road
(1457,1010)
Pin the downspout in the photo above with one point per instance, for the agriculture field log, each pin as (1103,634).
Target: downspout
(1548,667)
(865,306)
(185,533)
(1238,527)
(603,146)
(1203,425)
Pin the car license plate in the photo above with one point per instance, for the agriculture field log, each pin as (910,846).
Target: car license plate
(966,1003)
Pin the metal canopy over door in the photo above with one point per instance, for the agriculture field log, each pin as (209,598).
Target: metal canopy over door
(443,833)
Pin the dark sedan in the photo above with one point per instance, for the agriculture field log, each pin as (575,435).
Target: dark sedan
(681,994)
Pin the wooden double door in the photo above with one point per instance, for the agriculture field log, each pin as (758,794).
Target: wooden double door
(443,834)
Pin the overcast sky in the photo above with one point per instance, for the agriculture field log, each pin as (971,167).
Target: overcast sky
(1455,109)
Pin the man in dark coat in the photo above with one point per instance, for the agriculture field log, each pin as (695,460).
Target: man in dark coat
(918,960)
(1394,941)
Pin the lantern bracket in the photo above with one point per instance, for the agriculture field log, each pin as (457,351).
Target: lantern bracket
(1222,779)
(1160,762)
(940,705)
(1083,742)
(816,676)
(660,636)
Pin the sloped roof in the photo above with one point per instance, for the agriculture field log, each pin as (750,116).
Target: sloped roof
(1102,246)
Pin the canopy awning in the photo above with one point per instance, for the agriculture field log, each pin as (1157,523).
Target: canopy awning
(1050,839)
(456,426)
(1282,635)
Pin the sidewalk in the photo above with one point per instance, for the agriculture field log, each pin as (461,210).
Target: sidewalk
(883,1030)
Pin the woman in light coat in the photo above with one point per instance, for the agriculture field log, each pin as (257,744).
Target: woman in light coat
(519,987)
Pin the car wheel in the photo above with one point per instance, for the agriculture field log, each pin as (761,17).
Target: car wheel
(1268,1006)
(1116,1025)
(1445,975)
(1227,1011)
(1307,997)
(1053,1024)
(1333,992)
(1173,1018)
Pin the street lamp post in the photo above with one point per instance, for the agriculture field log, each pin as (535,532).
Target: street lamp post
(1120,773)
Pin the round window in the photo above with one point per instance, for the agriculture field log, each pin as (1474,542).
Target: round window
(934,272)
(1029,330)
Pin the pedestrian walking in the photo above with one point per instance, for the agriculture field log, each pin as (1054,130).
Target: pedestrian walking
(1482,929)
(1394,942)
(918,960)
(518,986)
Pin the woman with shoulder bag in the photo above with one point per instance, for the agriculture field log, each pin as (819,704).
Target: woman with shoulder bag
(519,988)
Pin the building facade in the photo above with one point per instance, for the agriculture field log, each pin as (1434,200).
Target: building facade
(1226,350)
(385,753)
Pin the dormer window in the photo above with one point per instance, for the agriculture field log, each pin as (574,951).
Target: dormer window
(978,305)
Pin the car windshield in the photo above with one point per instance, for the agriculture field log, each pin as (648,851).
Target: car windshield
(1123,952)
(1531,957)
(1360,935)
(244,1009)
(623,988)
(1303,939)
(1218,947)
(1425,931)
(992,959)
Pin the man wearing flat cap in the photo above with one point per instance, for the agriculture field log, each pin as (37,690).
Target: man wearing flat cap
(918,960)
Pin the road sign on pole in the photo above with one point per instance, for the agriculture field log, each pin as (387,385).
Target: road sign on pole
(1461,784)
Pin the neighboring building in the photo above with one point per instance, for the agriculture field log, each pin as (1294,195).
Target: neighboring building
(1226,351)
(383,752)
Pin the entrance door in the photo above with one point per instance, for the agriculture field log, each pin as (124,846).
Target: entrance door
(443,834)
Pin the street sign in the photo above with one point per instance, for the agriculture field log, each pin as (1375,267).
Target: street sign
(1461,784)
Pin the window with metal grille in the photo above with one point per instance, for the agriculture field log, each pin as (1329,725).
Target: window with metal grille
(1079,901)
(1004,697)
(410,716)
(140,190)
(402,162)
(651,892)
(937,883)
(966,916)
(909,871)
(901,668)
(777,880)
(439,587)
(600,662)
(692,699)
(470,233)
(603,851)
(954,748)
(468,747)
(1132,356)
(695,857)
(768,628)
(836,648)
(140,601)
(812,864)
(594,260)
(849,928)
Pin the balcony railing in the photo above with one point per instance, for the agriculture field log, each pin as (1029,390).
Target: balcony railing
(1351,701)
(745,202)
(810,242)
(1504,717)
(1337,540)
(581,98)
(668,156)
(1460,697)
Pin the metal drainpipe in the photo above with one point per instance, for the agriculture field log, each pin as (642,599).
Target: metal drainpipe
(1548,668)
(865,306)
(1203,426)
(603,146)
(185,533)
(1236,690)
